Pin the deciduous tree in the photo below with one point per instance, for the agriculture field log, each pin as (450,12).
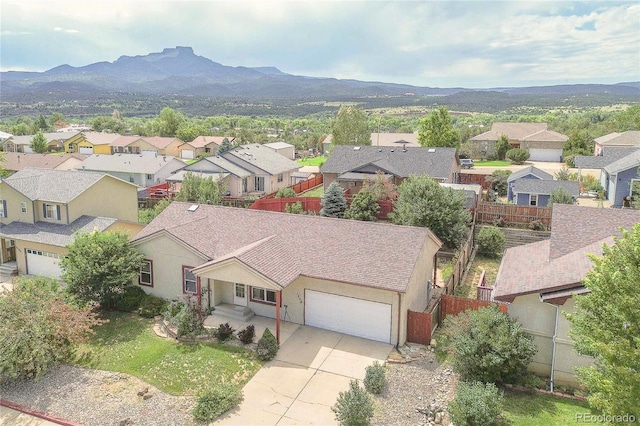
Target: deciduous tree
(364,207)
(201,189)
(38,327)
(606,326)
(436,130)
(560,196)
(350,127)
(423,202)
(99,266)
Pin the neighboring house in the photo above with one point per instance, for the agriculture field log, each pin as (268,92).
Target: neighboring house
(23,143)
(535,192)
(251,260)
(4,136)
(147,145)
(215,167)
(541,143)
(618,171)
(351,166)
(16,161)
(398,140)
(529,172)
(202,146)
(41,209)
(630,138)
(472,193)
(540,280)
(88,143)
(283,148)
(142,170)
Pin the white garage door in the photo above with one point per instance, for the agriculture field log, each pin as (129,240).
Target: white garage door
(149,152)
(43,263)
(357,317)
(187,153)
(87,150)
(545,154)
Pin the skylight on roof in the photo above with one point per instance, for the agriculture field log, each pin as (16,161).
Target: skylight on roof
(193,207)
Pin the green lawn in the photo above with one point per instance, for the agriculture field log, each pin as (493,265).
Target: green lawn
(490,266)
(531,409)
(316,192)
(312,161)
(128,344)
(495,163)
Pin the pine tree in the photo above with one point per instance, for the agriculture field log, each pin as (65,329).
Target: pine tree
(333,202)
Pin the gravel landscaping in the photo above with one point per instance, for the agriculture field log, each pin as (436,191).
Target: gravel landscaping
(418,386)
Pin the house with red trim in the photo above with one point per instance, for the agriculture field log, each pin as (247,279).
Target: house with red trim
(357,278)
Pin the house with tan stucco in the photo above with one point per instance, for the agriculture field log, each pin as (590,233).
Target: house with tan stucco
(541,280)
(41,210)
(359,278)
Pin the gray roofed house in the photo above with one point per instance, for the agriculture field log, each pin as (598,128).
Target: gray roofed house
(529,172)
(540,281)
(255,255)
(535,192)
(255,156)
(350,165)
(22,143)
(608,155)
(389,139)
(142,170)
(54,234)
(628,138)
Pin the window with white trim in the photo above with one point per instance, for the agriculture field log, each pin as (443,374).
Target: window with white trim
(145,276)
(533,199)
(3,208)
(189,282)
(23,207)
(280,177)
(51,211)
(258,183)
(259,294)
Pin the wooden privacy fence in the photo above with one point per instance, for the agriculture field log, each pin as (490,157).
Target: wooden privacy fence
(478,178)
(512,214)
(303,186)
(483,291)
(310,204)
(462,259)
(422,325)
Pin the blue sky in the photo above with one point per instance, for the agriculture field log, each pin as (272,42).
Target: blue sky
(425,43)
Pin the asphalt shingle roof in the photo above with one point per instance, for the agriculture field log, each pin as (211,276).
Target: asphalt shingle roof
(20,160)
(127,163)
(625,163)
(60,186)
(610,154)
(631,137)
(263,158)
(562,261)
(513,130)
(51,136)
(545,187)
(527,171)
(271,243)
(435,162)
(52,233)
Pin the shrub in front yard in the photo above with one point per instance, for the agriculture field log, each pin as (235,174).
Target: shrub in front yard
(476,403)
(374,378)
(152,305)
(211,404)
(353,407)
(267,346)
(130,299)
(247,334)
(488,346)
(186,317)
(490,241)
(517,155)
(224,332)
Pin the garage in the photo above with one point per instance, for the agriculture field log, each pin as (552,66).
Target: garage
(86,150)
(187,154)
(538,154)
(43,263)
(348,315)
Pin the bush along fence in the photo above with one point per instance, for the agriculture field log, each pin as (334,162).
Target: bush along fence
(310,205)
(512,215)
(421,325)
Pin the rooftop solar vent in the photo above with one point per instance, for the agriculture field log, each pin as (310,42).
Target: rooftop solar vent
(193,207)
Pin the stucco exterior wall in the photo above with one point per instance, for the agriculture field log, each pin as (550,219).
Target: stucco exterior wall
(21,254)
(108,198)
(13,199)
(567,359)
(168,257)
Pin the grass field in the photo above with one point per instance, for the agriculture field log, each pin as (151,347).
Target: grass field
(128,344)
(491,266)
(531,409)
(312,161)
(496,163)
(316,192)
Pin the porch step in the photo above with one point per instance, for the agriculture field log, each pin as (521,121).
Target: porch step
(234,312)
(9,268)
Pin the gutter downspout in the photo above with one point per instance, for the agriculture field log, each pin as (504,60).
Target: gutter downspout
(553,351)
(399,317)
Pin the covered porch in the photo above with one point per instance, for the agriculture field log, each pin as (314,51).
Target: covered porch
(259,322)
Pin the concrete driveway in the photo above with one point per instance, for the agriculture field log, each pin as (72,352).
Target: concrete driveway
(302,383)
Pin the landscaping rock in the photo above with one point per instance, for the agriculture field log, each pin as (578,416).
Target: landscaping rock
(147,396)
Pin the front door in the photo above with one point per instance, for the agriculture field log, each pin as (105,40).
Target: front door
(240,295)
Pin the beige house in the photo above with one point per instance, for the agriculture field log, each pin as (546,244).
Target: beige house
(541,143)
(42,209)
(351,166)
(251,262)
(23,143)
(146,145)
(629,139)
(202,146)
(15,161)
(540,280)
